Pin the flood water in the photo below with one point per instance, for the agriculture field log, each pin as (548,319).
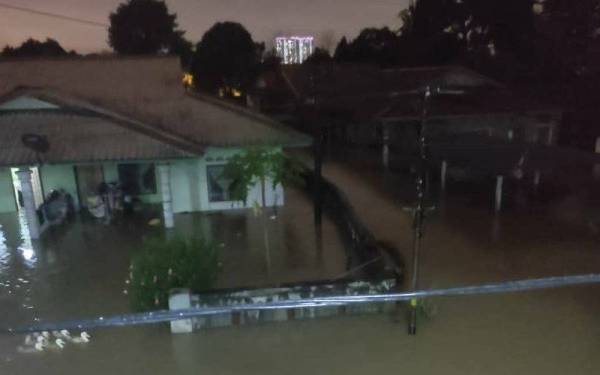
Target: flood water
(79,271)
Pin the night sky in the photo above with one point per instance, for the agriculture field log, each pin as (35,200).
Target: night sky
(327,20)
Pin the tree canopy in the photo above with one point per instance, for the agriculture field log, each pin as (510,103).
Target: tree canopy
(144,27)
(35,48)
(226,59)
(486,34)
(319,56)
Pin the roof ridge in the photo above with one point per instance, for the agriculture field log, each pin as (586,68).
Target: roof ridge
(169,137)
(244,111)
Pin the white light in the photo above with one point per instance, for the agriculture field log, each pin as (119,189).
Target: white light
(294,49)
(28,254)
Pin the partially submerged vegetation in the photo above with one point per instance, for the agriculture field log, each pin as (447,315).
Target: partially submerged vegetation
(166,264)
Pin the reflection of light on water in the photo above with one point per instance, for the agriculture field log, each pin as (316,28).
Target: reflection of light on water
(3,250)
(26,247)
(28,254)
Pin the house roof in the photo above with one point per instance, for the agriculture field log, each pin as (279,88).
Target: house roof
(77,137)
(372,93)
(142,95)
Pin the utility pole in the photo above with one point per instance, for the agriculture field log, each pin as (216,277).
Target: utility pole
(419,211)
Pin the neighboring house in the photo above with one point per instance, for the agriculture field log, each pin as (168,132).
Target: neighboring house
(125,120)
(357,105)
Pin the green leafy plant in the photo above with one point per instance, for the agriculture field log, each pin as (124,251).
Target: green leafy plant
(259,165)
(166,264)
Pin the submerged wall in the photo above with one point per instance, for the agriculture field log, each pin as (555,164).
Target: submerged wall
(183,299)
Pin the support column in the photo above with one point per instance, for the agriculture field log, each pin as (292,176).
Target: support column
(550,139)
(537,175)
(499,181)
(443,175)
(385,152)
(33,223)
(164,171)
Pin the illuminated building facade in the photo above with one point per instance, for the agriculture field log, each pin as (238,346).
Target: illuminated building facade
(294,49)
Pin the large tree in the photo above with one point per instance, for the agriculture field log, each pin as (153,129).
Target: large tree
(143,27)
(226,59)
(35,48)
(372,45)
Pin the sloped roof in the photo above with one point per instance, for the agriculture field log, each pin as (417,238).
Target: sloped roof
(146,95)
(77,138)
(370,93)
(349,79)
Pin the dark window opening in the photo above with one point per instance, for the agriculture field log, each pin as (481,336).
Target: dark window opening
(137,179)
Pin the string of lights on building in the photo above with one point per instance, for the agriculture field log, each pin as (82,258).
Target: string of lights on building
(294,49)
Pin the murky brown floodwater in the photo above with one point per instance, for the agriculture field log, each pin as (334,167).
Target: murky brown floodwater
(76,274)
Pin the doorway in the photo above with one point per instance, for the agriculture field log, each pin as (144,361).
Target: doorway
(36,185)
(89,178)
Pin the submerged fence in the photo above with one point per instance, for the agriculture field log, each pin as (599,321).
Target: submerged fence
(316,302)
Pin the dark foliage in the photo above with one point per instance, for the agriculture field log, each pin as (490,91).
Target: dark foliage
(489,35)
(144,27)
(319,56)
(226,59)
(166,264)
(35,48)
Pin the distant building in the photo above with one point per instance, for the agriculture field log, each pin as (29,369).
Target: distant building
(294,49)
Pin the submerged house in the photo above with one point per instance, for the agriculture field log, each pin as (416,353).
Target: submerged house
(127,120)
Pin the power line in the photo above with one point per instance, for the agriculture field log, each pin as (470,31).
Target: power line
(54,15)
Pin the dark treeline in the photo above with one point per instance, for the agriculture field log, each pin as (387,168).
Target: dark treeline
(35,48)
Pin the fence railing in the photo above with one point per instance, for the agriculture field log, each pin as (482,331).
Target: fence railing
(162,316)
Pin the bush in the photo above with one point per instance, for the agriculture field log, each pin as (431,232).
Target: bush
(165,264)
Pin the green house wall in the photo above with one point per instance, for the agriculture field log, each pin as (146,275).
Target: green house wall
(7,195)
(189,183)
(56,177)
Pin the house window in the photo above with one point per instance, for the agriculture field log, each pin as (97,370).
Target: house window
(138,178)
(218,185)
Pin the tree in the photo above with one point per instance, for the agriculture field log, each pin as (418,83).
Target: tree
(260,165)
(342,51)
(570,30)
(35,48)
(226,59)
(372,45)
(143,27)
(319,56)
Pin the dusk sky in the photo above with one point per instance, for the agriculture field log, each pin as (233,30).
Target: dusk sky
(325,19)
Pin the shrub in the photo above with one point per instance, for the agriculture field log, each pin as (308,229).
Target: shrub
(165,264)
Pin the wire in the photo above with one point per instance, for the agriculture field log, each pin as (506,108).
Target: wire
(162,316)
(54,15)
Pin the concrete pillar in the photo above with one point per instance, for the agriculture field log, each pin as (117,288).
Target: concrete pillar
(181,299)
(596,171)
(499,182)
(537,175)
(443,175)
(164,171)
(33,223)
(550,139)
(386,146)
